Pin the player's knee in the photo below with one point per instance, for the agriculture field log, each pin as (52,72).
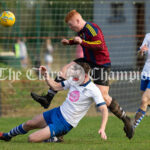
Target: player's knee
(30,124)
(144,100)
(31,138)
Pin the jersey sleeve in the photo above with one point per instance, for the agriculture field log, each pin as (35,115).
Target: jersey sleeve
(98,98)
(66,84)
(71,42)
(94,43)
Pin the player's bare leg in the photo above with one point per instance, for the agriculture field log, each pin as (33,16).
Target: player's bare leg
(40,135)
(143,107)
(36,123)
(115,108)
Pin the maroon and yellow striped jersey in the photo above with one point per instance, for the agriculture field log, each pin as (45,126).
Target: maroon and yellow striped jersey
(93,44)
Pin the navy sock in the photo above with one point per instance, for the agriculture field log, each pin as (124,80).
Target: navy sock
(15,131)
(140,115)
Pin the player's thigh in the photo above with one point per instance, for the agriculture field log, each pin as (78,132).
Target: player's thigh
(105,93)
(39,119)
(146,96)
(104,89)
(40,135)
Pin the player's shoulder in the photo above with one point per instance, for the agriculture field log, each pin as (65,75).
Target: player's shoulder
(93,88)
(91,28)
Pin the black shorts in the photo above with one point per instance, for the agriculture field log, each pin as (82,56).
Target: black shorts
(99,74)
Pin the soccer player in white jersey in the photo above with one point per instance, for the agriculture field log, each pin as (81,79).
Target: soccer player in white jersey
(145,81)
(61,120)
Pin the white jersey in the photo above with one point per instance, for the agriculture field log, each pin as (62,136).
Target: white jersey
(79,100)
(146,69)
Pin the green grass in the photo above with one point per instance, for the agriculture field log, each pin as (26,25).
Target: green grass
(16,101)
(84,137)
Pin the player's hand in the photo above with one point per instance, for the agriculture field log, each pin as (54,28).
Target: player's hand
(43,70)
(143,49)
(103,134)
(77,40)
(65,41)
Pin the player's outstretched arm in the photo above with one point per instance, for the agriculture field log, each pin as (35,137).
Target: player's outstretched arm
(68,42)
(65,42)
(104,112)
(50,82)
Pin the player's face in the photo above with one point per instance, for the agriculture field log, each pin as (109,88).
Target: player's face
(74,24)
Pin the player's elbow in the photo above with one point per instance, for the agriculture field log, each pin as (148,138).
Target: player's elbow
(103,109)
(54,85)
(56,88)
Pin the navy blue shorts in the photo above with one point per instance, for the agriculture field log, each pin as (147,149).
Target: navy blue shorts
(145,83)
(56,122)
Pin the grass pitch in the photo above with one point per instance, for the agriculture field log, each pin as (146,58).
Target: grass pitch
(84,137)
(16,102)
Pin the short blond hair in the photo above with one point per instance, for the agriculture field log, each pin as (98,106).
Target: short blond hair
(71,14)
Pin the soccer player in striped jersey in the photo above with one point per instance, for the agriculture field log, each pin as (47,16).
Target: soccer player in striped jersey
(61,120)
(145,82)
(91,38)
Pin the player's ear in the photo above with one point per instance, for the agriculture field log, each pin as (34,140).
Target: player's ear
(86,75)
(78,21)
